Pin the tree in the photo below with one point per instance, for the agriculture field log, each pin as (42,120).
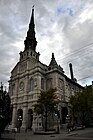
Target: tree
(46,103)
(82,103)
(5,109)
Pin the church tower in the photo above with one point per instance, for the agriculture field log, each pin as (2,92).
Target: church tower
(30,41)
(24,84)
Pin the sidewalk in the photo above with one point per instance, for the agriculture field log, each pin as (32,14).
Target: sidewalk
(79,134)
(63,134)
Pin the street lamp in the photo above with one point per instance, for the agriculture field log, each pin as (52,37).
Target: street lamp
(19,122)
(67,118)
(68,123)
(57,116)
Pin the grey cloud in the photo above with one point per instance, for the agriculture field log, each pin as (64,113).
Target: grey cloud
(14,21)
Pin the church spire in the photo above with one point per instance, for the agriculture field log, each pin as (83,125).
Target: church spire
(30,41)
(53,62)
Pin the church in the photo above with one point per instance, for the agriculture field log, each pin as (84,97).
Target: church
(30,76)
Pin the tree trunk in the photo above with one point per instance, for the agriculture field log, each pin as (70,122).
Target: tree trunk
(46,119)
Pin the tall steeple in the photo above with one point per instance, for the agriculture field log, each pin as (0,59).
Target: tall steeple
(30,41)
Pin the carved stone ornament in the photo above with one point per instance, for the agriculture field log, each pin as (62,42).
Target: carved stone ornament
(21,85)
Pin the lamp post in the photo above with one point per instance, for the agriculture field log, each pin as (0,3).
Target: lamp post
(67,118)
(68,123)
(19,122)
(57,117)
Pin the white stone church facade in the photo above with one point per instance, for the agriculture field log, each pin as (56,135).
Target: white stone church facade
(30,76)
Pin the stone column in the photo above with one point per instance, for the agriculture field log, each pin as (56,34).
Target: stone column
(25,116)
(35,124)
(39,81)
(14,116)
(16,87)
(55,81)
(26,80)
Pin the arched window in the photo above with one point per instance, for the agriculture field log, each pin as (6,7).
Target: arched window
(61,84)
(31,84)
(13,89)
(31,53)
(42,83)
(49,83)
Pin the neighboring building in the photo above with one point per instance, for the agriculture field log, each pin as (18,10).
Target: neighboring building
(89,116)
(30,76)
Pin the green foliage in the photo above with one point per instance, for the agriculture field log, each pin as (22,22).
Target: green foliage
(82,103)
(38,108)
(46,100)
(5,109)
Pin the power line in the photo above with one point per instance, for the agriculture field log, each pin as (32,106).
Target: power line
(74,58)
(77,51)
(85,77)
(77,70)
(74,52)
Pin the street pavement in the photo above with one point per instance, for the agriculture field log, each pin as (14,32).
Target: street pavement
(85,134)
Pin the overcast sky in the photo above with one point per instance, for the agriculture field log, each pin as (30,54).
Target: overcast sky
(64,27)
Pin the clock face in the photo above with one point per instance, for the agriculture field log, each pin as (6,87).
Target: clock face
(21,85)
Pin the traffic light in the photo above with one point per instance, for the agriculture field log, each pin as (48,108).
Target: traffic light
(56,113)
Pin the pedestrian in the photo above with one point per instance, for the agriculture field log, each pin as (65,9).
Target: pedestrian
(69,127)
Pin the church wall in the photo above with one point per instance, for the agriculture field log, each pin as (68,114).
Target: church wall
(58,82)
(51,80)
(26,98)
